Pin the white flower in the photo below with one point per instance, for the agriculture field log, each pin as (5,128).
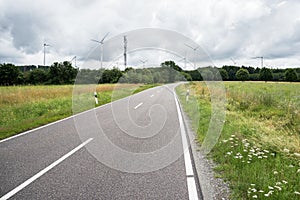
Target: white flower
(266,151)
(275,172)
(279,188)
(224,141)
(267,195)
(298,171)
(261,191)
(291,166)
(297,154)
(270,187)
(254,196)
(297,192)
(285,182)
(286,150)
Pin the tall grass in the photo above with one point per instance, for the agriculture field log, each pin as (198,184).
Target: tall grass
(26,107)
(259,149)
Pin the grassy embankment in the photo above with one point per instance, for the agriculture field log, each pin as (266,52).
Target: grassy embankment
(258,151)
(26,107)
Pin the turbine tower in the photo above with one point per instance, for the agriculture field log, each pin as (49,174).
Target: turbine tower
(125,51)
(143,61)
(261,60)
(74,58)
(45,45)
(194,49)
(101,42)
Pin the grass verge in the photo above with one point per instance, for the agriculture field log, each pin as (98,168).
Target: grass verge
(258,152)
(26,107)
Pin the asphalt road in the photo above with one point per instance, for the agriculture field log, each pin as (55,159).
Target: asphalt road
(134,148)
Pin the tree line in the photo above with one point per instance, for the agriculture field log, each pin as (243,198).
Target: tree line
(167,72)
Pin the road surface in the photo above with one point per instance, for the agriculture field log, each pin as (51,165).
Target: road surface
(134,148)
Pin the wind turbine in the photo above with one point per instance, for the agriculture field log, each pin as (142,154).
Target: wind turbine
(143,61)
(233,61)
(45,45)
(74,58)
(101,42)
(261,58)
(194,49)
(184,59)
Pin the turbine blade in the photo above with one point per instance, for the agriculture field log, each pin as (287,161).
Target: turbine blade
(101,41)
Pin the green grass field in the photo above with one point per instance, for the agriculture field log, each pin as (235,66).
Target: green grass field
(26,107)
(258,151)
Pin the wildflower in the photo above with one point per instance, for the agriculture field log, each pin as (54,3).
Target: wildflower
(291,166)
(265,156)
(275,172)
(285,182)
(272,154)
(254,196)
(224,141)
(266,151)
(297,154)
(298,171)
(271,188)
(279,188)
(286,150)
(278,183)
(261,191)
(297,192)
(254,190)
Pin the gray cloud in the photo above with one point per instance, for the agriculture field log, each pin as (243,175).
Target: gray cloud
(228,28)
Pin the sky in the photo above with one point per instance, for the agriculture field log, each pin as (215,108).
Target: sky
(227,31)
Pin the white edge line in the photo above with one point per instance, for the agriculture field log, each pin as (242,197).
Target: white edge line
(138,105)
(42,172)
(191,183)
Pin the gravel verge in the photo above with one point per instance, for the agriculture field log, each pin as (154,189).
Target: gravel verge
(212,188)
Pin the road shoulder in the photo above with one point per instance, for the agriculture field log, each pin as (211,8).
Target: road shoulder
(211,187)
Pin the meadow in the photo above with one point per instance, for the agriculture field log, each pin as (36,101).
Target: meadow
(26,107)
(258,151)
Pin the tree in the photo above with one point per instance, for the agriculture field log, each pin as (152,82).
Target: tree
(62,73)
(172,65)
(231,70)
(111,76)
(242,74)
(224,74)
(290,75)
(265,74)
(37,76)
(9,74)
(207,74)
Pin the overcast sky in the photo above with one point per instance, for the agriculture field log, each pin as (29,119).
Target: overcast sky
(230,31)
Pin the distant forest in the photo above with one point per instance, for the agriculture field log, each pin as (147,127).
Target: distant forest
(167,72)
